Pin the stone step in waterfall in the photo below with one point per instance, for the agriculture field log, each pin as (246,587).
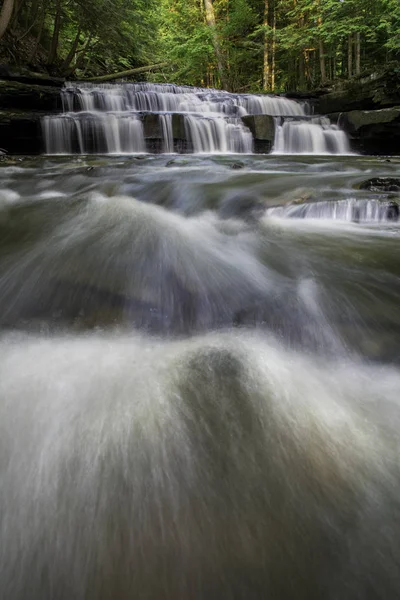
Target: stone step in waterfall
(165,118)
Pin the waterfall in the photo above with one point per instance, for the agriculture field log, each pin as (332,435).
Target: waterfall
(312,136)
(217,135)
(111,119)
(94,132)
(167,133)
(341,210)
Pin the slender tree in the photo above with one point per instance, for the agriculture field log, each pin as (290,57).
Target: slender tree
(5,15)
(210,19)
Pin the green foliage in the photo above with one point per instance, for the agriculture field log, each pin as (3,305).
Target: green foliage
(294,43)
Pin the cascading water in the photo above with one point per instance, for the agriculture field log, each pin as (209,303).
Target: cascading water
(314,136)
(108,119)
(373,211)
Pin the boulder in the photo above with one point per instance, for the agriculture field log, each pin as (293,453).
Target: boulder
(263,129)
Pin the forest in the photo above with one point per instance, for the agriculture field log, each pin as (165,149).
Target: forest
(237,45)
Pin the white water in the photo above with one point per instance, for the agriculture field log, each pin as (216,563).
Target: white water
(92,132)
(316,136)
(135,468)
(107,119)
(374,211)
(197,400)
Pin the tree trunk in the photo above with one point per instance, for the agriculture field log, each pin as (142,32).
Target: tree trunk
(350,56)
(5,15)
(273,50)
(123,74)
(358,53)
(56,34)
(266,65)
(17,6)
(322,65)
(39,35)
(71,53)
(81,59)
(301,71)
(210,19)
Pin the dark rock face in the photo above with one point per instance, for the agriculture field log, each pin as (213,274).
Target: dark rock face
(21,133)
(371,93)
(263,129)
(151,126)
(372,131)
(153,134)
(178,127)
(22,105)
(21,96)
(25,76)
(393,212)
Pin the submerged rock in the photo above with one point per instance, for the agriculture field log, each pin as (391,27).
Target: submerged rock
(381,184)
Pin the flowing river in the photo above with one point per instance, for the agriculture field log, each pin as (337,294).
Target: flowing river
(199,378)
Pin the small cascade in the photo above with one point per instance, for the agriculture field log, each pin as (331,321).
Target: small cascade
(167,133)
(312,136)
(94,133)
(217,135)
(114,119)
(356,211)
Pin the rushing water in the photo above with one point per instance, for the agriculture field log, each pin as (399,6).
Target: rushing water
(109,119)
(199,378)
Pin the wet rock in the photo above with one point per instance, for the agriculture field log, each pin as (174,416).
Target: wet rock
(21,133)
(381,184)
(178,127)
(154,136)
(368,93)
(151,126)
(356,214)
(22,96)
(261,126)
(236,165)
(21,75)
(372,131)
(393,211)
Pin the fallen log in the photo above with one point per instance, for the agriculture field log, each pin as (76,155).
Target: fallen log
(123,74)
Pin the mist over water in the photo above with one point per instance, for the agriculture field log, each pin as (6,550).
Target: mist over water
(199,379)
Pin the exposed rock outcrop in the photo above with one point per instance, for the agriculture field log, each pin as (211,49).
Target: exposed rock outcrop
(22,96)
(374,92)
(20,132)
(372,131)
(263,129)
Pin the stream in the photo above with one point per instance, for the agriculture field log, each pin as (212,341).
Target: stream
(199,378)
